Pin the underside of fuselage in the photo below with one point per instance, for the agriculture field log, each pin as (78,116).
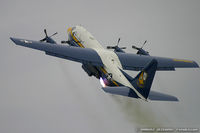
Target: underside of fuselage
(96,71)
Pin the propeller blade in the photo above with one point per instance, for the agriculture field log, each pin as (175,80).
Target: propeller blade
(135,47)
(54,34)
(65,42)
(42,40)
(144,43)
(123,48)
(118,41)
(110,47)
(45,31)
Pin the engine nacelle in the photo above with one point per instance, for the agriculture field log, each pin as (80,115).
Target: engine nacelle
(90,70)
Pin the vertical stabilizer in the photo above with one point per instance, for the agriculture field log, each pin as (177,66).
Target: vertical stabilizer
(143,81)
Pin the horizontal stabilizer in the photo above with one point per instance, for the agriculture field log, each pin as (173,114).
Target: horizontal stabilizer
(153,95)
(126,91)
(143,81)
(122,90)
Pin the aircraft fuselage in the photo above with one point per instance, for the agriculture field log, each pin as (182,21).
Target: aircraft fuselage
(110,73)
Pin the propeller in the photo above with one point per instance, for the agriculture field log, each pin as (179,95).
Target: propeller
(141,47)
(116,46)
(141,50)
(46,36)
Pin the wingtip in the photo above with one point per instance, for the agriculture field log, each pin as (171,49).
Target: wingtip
(175,99)
(15,40)
(12,39)
(196,64)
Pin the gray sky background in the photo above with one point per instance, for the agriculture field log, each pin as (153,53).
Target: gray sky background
(39,93)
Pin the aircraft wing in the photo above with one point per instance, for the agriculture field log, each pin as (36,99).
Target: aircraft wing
(82,55)
(137,62)
(86,55)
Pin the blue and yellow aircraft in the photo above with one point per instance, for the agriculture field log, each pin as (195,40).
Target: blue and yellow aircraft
(109,66)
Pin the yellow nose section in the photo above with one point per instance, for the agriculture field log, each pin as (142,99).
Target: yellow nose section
(69,29)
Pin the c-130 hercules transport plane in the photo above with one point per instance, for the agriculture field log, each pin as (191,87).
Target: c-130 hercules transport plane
(109,66)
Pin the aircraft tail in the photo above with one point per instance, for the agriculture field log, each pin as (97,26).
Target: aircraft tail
(143,81)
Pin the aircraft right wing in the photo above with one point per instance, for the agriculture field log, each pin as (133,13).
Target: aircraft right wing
(82,55)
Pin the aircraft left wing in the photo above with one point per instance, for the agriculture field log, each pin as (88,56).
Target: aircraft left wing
(138,62)
(82,55)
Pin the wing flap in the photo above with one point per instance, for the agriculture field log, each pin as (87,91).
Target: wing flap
(138,62)
(82,55)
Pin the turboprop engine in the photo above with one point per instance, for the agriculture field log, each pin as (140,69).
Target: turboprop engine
(90,70)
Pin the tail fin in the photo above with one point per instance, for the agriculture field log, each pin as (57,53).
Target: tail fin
(143,81)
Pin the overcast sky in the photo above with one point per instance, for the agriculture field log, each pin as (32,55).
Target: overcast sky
(44,94)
